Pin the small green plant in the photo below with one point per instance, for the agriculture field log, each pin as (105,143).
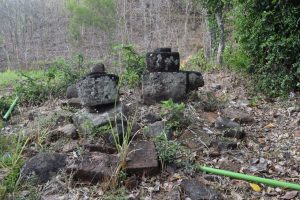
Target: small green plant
(11,149)
(199,62)
(133,62)
(174,115)
(172,152)
(101,130)
(5,103)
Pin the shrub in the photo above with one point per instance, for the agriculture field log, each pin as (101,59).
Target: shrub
(199,62)
(133,62)
(236,58)
(268,31)
(52,83)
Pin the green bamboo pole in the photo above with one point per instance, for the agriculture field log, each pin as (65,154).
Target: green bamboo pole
(251,178)
(12,106)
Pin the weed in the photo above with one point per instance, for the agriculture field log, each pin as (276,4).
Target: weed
(172,152)
(134,64)
(174,114)
(11,149)
(5,103)
(199,62)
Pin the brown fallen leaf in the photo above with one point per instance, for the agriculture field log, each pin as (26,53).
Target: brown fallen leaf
(290,195)
(297,133)
(271,125)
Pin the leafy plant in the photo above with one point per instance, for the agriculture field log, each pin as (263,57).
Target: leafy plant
(11,149)
(174,114)
(5,103)
(133,62)
(267,31)
(199,62)
(236,58)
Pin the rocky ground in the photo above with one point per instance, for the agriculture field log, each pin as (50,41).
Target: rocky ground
(230,129)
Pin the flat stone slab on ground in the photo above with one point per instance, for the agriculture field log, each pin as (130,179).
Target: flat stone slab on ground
(43,166)
(93,167)
(142,159)
(86,121)
(197,191)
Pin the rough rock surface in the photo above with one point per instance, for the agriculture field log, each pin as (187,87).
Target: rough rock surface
(68,131)
(93,167)
(98,89)
(155,129)
(98,68)
(158,86)
(196,191)
(43,166)
(224,123)
(86,121)
(142,159)
(163,60)
(72,92)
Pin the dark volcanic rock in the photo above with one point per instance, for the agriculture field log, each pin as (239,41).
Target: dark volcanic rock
(72,92)
(98,89)
(160,86)
(238,133)
(151,118)
(162,61)
(195,80)
(155,129)
(93,167)
(43,166)
(224,123)
(98,68)
(143,159)
(197,191)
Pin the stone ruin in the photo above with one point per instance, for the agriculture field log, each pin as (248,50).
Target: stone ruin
(97,96)
(164,79)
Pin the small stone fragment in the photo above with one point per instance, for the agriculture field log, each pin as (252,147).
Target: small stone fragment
(238,133)
(223,123)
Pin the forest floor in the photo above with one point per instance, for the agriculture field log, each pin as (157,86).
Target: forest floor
(269,146)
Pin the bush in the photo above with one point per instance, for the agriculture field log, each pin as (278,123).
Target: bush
(52,83)
(5,103)
(133,62)
(268,31)
(199,62)
(236,58)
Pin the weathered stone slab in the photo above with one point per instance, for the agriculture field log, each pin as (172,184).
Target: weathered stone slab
(98,89)
(142,159)
(163,60)
(72,92)
(158,86)
(86,121)
(43,166)
(93,167)
(197,191)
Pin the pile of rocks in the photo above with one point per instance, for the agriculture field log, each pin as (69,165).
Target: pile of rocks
(164,80)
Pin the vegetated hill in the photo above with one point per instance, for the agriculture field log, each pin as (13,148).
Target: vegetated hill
(39,30)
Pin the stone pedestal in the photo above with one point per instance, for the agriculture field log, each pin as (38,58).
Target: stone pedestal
(98,89)
(163,60)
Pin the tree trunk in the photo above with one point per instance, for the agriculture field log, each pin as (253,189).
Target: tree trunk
(220,22)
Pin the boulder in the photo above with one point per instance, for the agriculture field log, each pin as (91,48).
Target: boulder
(98,89)
(237,115)
(72,92)
(159,86)
(197,191)
(43,166)
(163,60)
(93,167)
(73,102)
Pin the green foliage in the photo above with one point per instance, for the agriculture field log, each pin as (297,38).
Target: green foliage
(52,83)
(5,103)
(268,31)
(133,62)
(11,149)
(174,114)
(96,13)
(172,152)
(236,58)
(101,130)
(199,62)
